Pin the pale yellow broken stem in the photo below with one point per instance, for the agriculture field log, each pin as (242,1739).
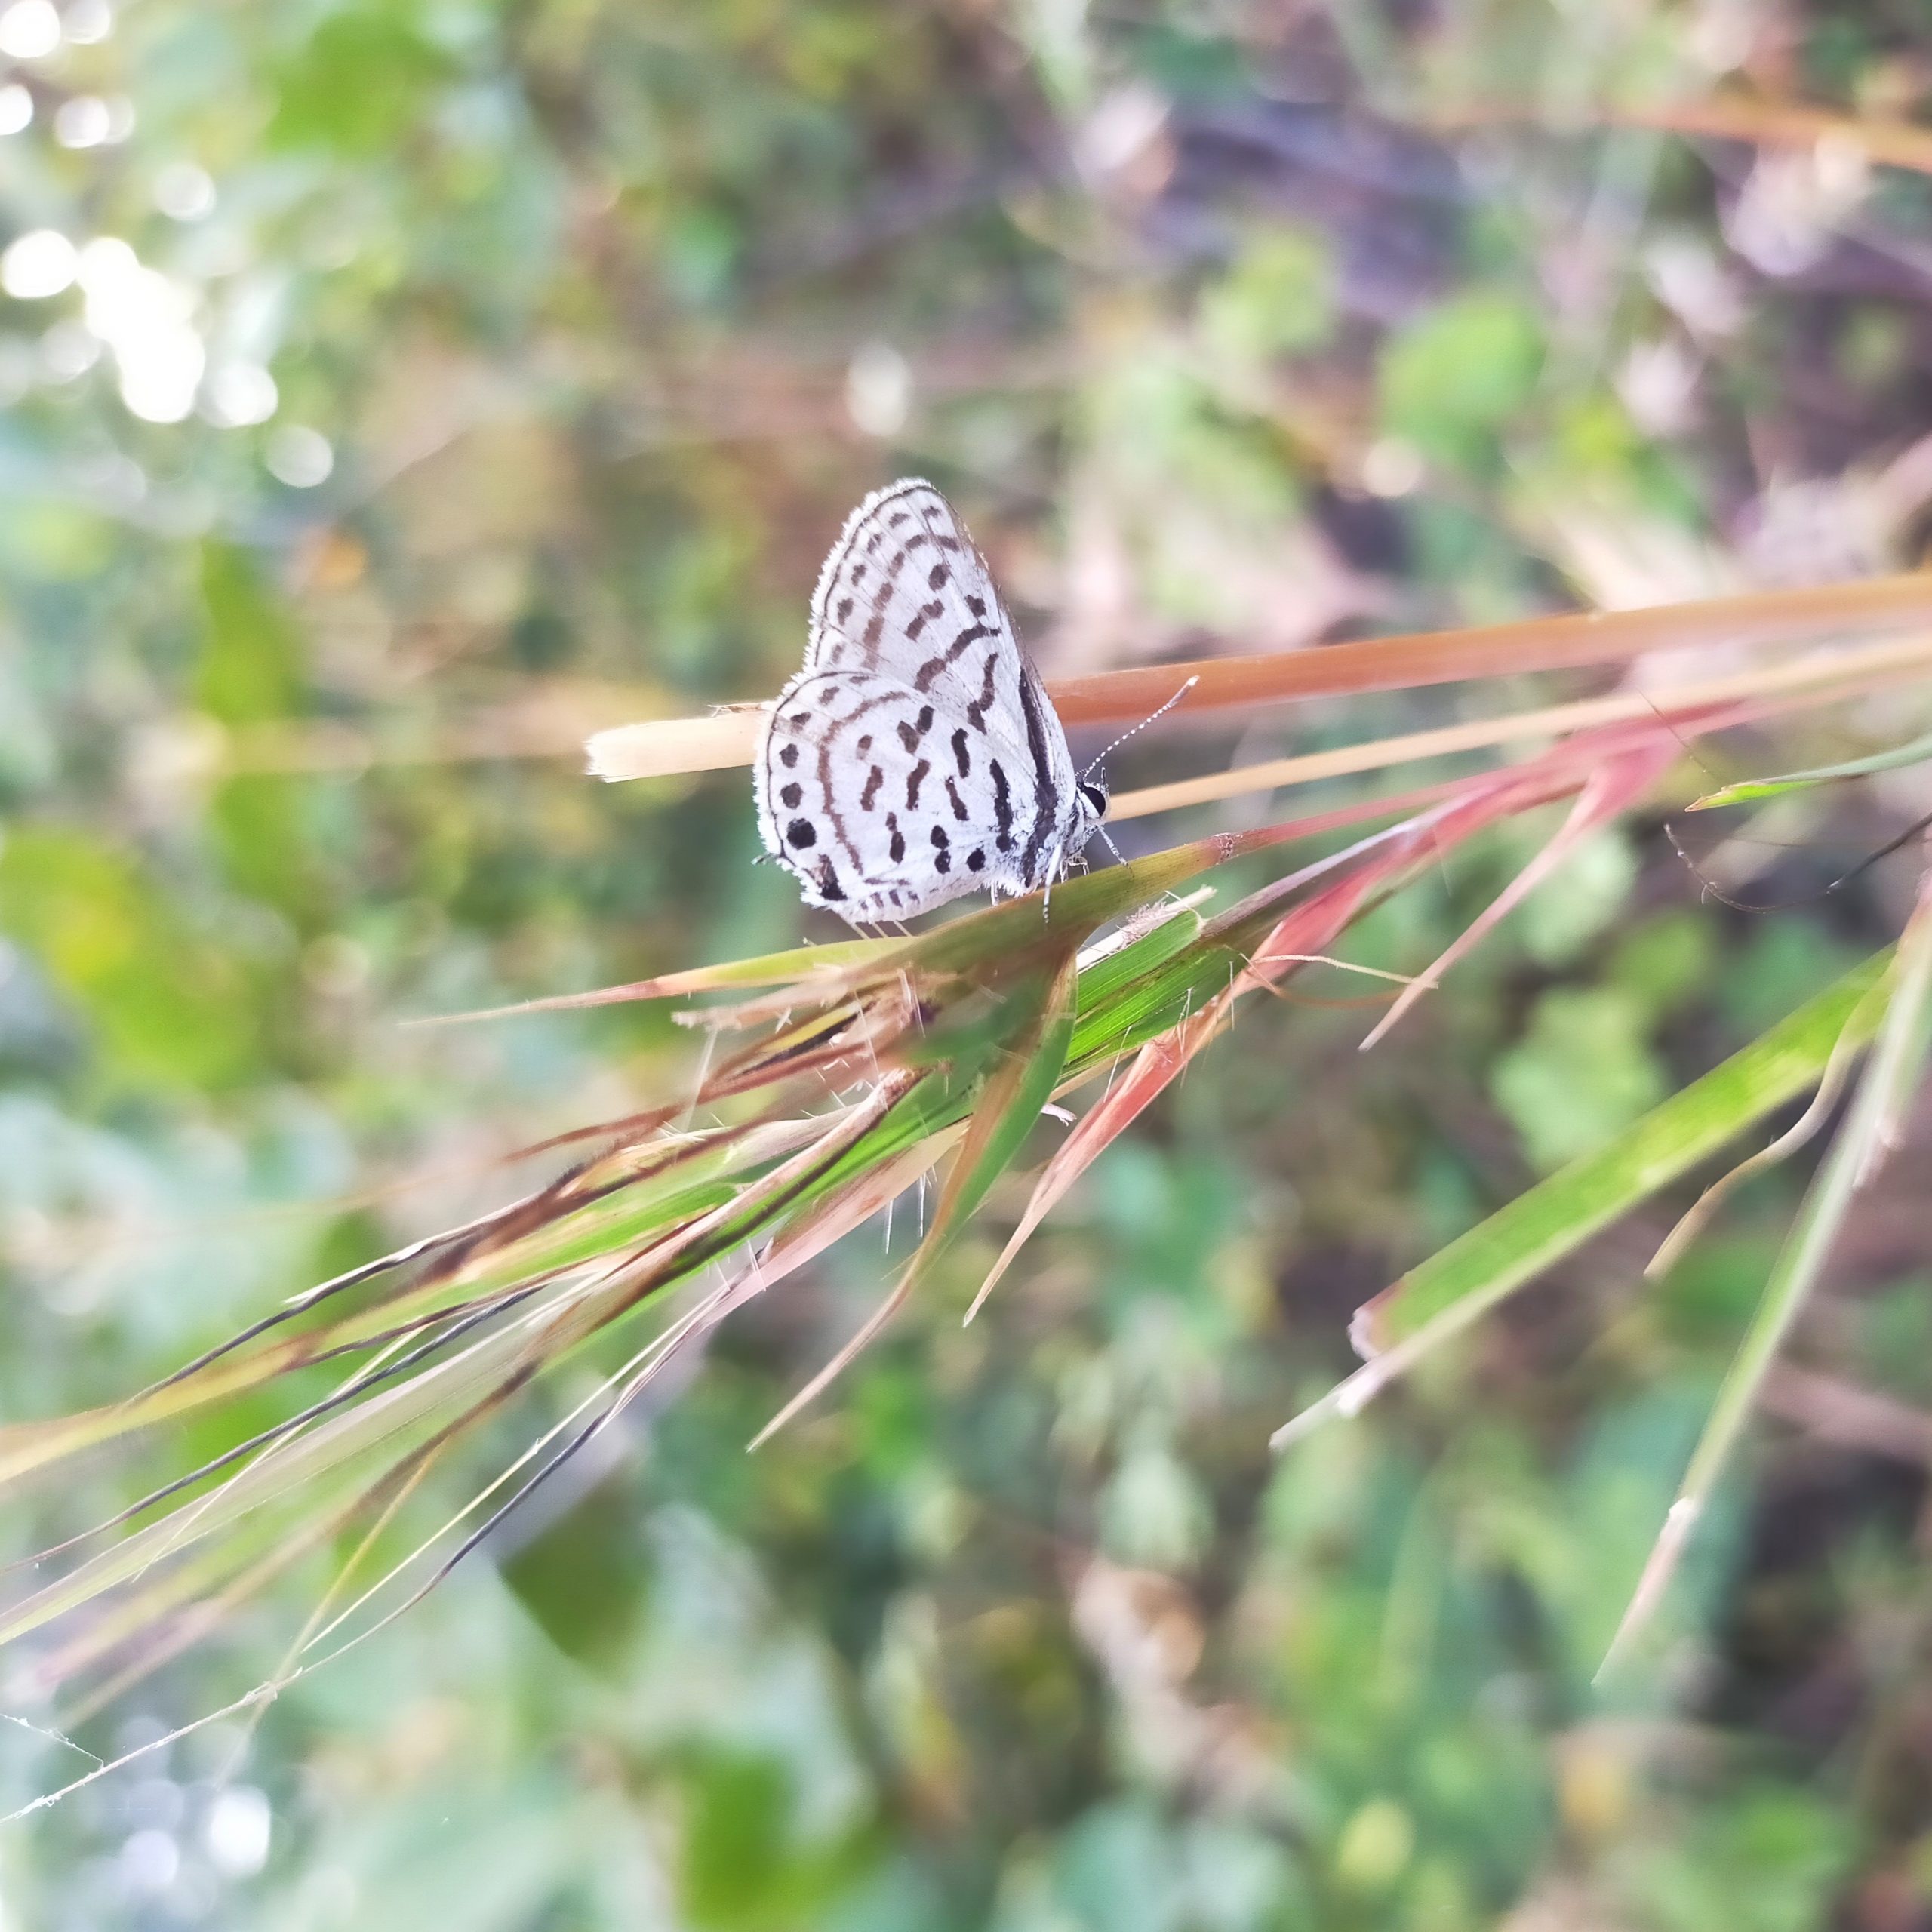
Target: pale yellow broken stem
(661,747)
(1658,1569)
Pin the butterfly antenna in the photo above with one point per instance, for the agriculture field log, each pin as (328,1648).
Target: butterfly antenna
(1142,726)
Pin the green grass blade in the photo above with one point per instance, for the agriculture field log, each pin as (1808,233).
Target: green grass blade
(1859,1147)
(1128,964)
(1480,1268)
(1016,1090)
(1747,790)
(768,969)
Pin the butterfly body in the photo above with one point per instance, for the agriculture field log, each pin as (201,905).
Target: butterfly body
(916,757)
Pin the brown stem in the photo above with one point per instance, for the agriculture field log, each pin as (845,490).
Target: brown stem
(1727,118)
(1529,643)
(661,747)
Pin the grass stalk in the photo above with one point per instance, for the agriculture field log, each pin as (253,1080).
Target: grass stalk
(660,748)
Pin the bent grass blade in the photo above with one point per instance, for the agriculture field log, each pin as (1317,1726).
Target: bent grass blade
(1288,944)
(1480,1269)
(1861,1146)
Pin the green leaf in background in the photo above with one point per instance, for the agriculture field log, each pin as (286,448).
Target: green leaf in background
(250,670)
(165,1003)
(1277,299)
(1585,896)
(1582,1072)
(1454,380)
(250,677)
(359,83)
(746,1865)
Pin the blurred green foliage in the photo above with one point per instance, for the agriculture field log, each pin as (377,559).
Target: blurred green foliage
(581,325)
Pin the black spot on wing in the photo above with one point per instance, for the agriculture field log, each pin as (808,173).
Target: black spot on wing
(791,796)
(827,881)
(875,779)
(896,846)
(958,803)
(942,850)
(976,860)
(965,763)
(916,624)
(1002,807)
(976,711)
(922,678)
(801,833)
(914,779)
(788,756)
(1035,707)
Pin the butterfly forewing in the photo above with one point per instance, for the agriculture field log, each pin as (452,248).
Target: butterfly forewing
(904,591)
(916,757)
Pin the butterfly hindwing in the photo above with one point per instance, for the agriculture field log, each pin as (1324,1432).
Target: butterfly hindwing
(883,803)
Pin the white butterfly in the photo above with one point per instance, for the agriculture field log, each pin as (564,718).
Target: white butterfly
(917,756)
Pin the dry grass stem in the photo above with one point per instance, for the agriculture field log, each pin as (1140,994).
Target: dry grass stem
(664,747)
(1858,670)
(1727,118)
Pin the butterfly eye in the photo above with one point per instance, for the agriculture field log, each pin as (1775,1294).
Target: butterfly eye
(1095,797)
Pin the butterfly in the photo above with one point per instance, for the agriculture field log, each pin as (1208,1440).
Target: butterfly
(916,757)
